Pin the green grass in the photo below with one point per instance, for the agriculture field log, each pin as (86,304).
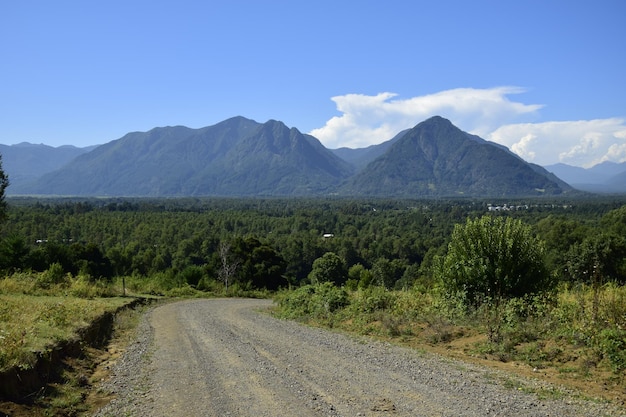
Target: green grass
(31,324)
(37,314)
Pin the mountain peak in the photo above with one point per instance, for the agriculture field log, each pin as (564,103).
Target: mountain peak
(437,119)
(436,158)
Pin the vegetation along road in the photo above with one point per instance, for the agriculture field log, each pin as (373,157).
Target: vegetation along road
(226,357)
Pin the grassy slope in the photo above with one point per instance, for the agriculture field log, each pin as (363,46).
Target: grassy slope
(31,324)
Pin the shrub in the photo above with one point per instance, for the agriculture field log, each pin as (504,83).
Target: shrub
(493,258)
(373,299)
(84,287)
(295,303)
(612,345)
(55,275)
(317,301)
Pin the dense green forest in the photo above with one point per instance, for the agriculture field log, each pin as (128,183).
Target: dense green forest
(206,244)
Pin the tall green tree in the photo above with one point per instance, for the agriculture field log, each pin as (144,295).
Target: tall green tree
(328,268)
(14,254)
(494,257)
(4,183)
(598,259)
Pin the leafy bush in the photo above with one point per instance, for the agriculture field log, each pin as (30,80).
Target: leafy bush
(494,257)
(295,303)
(373,299)
(56,282)
(84,287)
(612,345)
(192,275)
(312,301)
(55,275)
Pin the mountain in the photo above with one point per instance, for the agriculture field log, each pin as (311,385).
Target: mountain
(241,157)
(606,177)
(25,162)
(435,158)
(236,157)
(360,157)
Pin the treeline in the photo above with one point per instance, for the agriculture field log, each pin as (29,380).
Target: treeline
(276,243)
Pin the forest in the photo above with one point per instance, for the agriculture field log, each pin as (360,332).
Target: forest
(267,244)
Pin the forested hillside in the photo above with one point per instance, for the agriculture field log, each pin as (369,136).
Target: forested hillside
(436,158)
(239,157)
(274,243)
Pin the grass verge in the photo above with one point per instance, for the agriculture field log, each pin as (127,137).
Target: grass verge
(30,325)
(51,336)
(574,339)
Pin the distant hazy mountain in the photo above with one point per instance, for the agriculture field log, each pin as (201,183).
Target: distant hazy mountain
(435,158)
(619,181)
(606,177)
(25,162)
(233,158)
(240,157)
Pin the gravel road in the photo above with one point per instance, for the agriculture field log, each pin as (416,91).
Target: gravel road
(223,357)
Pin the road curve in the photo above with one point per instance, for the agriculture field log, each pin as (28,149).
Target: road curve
(222,357)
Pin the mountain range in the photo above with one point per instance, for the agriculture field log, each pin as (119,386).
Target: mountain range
(605,177)
(25,162)
(241,157)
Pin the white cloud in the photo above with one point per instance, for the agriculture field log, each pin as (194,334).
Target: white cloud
(367,120)
(579,143)
(615,153)
(524,147)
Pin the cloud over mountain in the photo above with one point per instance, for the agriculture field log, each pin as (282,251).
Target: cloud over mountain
(580,143)
(490,113)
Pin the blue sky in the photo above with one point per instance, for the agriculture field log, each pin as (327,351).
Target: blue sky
(545,78)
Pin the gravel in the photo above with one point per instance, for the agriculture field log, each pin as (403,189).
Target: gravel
(129,379)
(224,357)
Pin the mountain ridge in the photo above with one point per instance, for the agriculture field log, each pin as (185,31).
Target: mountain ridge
(241,157)
(180,161)
(25,162)
(605,177)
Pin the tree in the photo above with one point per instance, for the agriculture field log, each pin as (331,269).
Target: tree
(386,272)
(259,264)
(229,264)
(268,268)
(599,258)
(14,253)
(4,183)
(328,268)
(494,257)
(615,221)
(358,277)
(89,260)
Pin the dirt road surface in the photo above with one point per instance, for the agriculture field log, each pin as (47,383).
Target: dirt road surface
(227,358)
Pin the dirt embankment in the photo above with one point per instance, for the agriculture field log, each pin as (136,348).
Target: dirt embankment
(22,387)
(223,357)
